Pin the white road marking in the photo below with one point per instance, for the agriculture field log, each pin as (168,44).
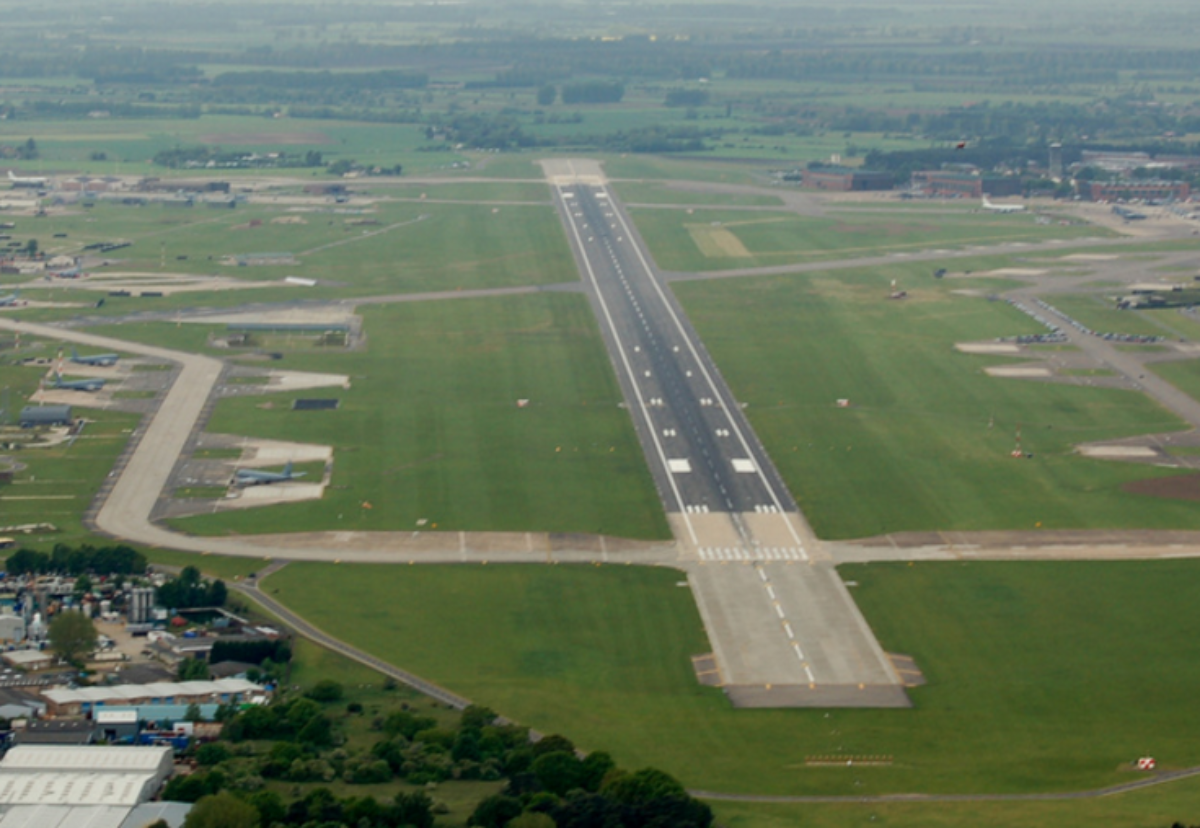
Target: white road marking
(787,628)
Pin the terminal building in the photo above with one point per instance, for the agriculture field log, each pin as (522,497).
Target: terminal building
(953,184)
(1143,190)
(846,179)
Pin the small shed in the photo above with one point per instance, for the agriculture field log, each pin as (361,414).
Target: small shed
(116,725)
(29,659)
(45,415)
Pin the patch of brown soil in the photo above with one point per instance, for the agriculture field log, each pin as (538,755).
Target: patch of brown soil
(1184,487)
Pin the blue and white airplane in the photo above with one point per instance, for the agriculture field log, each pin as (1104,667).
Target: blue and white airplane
(256,477)
(103,360)
(89,384)
(9,301)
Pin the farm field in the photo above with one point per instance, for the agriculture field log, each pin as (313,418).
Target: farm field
(720,241)
(1031,685)
(129,144)
(926,441)
(431,430)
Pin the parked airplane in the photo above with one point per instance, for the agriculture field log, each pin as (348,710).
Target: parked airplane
(89,384)
(103,360)
(1002,208)
(256,477)
(26,181)
(9,301)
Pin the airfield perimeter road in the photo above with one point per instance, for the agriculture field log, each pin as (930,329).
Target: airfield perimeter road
(782,625)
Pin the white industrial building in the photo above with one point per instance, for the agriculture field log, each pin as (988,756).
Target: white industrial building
(84,700)
(48,786)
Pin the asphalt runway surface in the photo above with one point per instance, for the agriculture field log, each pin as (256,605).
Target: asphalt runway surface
(776,613)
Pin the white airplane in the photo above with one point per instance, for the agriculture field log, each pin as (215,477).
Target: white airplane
(10,301)
(26,181)
(1002,208)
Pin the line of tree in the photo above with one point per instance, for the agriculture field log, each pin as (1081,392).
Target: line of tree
(77,560)
(593,92)
(189,590)
(381,80)
(549,785)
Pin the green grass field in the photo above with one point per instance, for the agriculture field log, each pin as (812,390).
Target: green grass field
(636,192)
(719,241)
(915,450)
(1160,807)
(431,429)
(1042,676)
(1101,314)
(455,246)
(58,482)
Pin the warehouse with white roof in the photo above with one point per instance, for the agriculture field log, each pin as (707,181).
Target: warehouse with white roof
(83,700)
(91,786)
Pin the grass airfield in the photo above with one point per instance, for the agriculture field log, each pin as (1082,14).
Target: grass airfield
(431,431)
(925,442)
(1042,677)
(716,240)
(1032,683)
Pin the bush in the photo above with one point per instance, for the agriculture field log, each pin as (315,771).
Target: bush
(325,690)
(214,753)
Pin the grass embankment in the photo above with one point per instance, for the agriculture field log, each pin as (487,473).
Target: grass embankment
(431,430)
(926,441)
(1042,677)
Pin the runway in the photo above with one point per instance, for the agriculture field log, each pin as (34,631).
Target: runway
(779,619)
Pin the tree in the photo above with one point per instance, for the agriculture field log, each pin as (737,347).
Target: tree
(223,810)
(213,753)
(193,714)
(552,744)
(547,95)
(325,690)
(72,636)
(531,819)
(27,562)
(559,771)
(642,786)
(495,811)
(192,669)
(595,767)
(31,247)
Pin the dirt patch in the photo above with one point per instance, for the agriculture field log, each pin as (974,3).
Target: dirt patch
(1184,487)
(717,242)
(266,138)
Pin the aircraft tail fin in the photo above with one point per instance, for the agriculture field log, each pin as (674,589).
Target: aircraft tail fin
(287,469)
